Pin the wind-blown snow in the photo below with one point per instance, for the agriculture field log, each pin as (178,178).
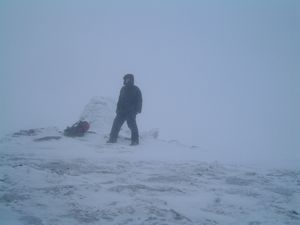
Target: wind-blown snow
(86,181)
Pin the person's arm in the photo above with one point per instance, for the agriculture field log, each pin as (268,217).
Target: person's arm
(139,101)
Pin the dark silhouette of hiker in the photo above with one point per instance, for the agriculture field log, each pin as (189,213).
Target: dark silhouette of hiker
(129,105)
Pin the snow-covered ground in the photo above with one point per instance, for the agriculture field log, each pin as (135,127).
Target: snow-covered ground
(72,181)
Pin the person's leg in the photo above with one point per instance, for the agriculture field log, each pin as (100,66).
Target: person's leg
(117,124)
(131,122)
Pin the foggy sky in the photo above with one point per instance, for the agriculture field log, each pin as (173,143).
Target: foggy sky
(218,74)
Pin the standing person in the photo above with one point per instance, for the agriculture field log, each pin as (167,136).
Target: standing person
(129,105)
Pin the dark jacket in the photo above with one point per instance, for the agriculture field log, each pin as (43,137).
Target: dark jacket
(130,100)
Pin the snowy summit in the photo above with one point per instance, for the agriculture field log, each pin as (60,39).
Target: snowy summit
(49,179)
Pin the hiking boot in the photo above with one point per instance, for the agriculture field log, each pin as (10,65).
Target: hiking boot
(111,141)
(133,143)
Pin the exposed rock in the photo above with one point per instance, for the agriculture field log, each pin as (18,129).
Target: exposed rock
(48,138)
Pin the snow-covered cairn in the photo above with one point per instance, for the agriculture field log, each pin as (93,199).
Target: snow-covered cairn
(99,112)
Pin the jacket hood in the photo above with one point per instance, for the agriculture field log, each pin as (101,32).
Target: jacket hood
(128,79)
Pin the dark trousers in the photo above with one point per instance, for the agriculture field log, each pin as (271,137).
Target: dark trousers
(131,122)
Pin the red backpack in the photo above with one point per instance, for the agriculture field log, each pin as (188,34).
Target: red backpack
(77,130)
